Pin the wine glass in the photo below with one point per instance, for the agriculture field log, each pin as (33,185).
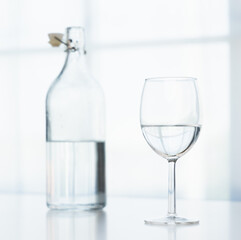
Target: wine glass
(171,123)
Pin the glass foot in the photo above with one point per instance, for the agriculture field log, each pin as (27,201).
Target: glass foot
(171,220)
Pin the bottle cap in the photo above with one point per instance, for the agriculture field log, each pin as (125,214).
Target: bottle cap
(55,39)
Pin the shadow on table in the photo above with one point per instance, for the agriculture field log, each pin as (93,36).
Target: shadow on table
(74,225)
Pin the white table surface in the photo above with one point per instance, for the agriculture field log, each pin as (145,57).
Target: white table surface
(25,217)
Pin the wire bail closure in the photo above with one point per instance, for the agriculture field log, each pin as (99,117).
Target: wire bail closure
(55,40)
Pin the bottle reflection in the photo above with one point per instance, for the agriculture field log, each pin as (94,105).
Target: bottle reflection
(74,225)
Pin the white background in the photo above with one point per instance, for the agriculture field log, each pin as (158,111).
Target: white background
(127,41)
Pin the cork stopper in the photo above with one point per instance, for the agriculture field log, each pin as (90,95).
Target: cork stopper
(55,39)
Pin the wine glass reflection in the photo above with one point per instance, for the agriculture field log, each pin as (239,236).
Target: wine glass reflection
(172,232)
(74,225)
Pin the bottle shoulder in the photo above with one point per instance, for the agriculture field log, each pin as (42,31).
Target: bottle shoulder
(75,79)
(74,92)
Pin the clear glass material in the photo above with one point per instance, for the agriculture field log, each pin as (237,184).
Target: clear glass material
(75,134)
(171,122)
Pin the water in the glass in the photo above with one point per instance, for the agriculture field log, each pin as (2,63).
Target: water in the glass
(171,141)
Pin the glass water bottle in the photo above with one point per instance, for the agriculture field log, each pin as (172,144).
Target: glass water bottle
(75,133)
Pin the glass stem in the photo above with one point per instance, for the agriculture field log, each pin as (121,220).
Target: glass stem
(172,188)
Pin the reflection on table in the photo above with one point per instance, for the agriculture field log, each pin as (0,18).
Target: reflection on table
(74,225)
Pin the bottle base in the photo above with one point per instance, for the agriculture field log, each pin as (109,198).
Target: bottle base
(79,207)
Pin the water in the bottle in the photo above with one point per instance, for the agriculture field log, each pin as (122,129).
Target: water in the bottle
(76,175)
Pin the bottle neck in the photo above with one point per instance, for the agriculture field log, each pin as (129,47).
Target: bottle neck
(75,39)
(75,61)
(75,58)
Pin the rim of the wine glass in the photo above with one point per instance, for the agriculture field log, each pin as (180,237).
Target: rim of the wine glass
(157,79)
